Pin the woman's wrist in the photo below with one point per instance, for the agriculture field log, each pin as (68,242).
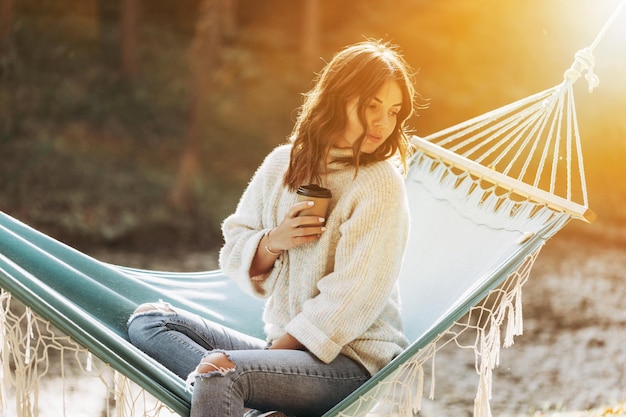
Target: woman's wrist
(264,259)
(268,246)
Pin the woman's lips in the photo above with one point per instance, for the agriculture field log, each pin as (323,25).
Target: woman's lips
(372,137)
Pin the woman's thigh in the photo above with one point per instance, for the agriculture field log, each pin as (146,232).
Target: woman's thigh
(292,381)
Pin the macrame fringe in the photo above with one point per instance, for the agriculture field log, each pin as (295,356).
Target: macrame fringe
(26,345)
(508,309)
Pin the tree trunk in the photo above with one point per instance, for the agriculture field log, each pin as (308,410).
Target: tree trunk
(204,63)
(9,113)
(129,54)
(108,19)
(311,35)
(228,21)
(6,20)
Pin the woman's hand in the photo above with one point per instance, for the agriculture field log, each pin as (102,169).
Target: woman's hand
(288,342)
(292,231)
(296,230)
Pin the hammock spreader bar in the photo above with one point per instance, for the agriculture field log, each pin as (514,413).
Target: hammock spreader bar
(522,189)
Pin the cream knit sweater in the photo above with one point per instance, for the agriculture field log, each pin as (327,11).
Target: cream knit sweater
(338,295)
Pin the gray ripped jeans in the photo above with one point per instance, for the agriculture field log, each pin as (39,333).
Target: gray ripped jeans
(292,381)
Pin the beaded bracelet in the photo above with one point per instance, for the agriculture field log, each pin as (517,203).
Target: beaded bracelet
(267,247)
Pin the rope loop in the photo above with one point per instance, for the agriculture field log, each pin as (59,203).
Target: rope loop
(583,63)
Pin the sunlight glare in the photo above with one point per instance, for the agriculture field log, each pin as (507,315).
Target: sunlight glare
(599,24)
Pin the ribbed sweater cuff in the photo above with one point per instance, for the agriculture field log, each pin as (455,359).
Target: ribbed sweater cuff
(313,338)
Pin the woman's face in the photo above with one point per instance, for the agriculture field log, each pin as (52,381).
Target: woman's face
(381,115)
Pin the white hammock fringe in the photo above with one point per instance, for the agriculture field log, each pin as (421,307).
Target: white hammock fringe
(26,346)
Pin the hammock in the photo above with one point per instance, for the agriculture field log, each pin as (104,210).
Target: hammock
(484,198)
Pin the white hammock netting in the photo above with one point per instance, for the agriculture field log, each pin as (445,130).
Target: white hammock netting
(485,195)
(531,146)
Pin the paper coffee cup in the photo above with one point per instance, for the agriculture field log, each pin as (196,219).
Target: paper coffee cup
(321,196)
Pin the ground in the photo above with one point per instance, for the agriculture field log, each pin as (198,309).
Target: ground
(570,359)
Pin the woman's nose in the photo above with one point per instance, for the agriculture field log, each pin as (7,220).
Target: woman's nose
(381,120)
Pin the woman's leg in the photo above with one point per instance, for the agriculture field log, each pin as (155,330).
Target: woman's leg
(292,381)
(179,339)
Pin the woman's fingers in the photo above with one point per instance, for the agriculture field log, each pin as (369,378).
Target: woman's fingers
(297,230)
(305,221)
(308,231)
(293,233)
(298,207)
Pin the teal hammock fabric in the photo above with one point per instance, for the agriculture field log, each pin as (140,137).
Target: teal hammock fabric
(91,302)
(456,255)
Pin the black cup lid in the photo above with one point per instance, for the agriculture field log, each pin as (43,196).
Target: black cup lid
(314,190)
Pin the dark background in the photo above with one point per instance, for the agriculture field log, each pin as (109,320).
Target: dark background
(135,125)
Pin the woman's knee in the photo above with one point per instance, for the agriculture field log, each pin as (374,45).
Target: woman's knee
(159,306)
(215,364)
(216,361)
(146,310)
(145,321)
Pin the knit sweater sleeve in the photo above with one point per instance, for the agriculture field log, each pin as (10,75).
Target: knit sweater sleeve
(368,257)
(254,216)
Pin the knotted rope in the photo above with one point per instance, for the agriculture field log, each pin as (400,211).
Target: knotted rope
(584,60)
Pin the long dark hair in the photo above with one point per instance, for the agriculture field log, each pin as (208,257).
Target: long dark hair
(359,70)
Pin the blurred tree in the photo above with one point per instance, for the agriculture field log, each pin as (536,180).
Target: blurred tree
(311,35)
(204,62)
(129,39)
(6,19)
(229,17)
(7,70)
(108,15)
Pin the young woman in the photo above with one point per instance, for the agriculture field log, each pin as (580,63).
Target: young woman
(332,315)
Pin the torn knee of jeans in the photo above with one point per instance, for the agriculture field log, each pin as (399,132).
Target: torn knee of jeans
(215,363)
(160,307)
